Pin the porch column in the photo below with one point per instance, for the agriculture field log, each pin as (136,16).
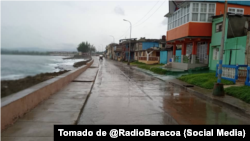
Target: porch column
(148,54)
(194,51)
(208,47)
(174,52)
(183,51)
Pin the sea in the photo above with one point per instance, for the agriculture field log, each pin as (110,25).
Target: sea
(19,66)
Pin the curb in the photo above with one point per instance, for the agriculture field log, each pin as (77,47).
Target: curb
(213,100)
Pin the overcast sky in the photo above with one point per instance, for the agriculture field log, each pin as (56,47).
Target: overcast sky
(62,25)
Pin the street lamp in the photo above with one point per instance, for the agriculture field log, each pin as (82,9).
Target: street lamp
(113,38)
(129,40)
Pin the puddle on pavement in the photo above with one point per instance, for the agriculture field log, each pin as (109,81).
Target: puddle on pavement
(182,106)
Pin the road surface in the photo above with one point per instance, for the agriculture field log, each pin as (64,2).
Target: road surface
(123,95)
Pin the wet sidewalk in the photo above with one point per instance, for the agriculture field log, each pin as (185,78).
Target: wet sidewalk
(63,107)
(206,94)
(124,95)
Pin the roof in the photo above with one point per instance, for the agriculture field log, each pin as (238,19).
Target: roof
(178,3)
(230,15)
(238,2)
(113,44)
(153,48)
(124,40)
(167,47)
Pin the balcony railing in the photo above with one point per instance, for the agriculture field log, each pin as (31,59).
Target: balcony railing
(233,72)
(142,58)
(153,58)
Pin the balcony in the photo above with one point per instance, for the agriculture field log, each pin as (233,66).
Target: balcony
(193,19)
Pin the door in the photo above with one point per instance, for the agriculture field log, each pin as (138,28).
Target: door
(202,52)
(189,49)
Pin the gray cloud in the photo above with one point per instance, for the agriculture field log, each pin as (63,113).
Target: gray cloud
(58,26)
(118,10)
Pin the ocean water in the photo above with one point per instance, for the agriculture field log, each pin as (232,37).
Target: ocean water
(19,66)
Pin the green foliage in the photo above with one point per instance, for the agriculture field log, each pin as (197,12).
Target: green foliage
(154,68)
(85,47)
(242,92)
(158,70)
(204,80)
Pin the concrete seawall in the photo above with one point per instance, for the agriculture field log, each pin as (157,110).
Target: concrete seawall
(15,106)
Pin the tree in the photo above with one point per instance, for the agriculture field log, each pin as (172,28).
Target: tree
(92,49)
(83,47)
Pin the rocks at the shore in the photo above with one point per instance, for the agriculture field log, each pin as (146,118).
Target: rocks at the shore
(79,64)
(9,87)
(78,57)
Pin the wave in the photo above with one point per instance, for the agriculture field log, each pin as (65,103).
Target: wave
(13,77)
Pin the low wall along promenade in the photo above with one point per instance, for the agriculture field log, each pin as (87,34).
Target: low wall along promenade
(16,105)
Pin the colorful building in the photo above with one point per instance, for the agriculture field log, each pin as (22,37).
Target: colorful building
(128,48)
(190,28)
(235,40)
(148,50)
(166,54)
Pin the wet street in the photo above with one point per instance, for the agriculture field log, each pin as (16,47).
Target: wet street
(123,95)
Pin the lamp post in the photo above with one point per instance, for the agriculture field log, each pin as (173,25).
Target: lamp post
(129,40)
(218,87)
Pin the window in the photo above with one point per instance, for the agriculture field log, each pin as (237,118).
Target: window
(195,7)
(203,12)
(195,11)
(215,53)
(218,27)
(236,10)
(211,10)
(179,17)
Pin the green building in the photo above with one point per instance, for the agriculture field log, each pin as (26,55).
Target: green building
(235,40)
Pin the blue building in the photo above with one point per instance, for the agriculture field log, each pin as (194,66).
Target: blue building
(148,50)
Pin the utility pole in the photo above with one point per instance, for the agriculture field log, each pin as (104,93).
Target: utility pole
(129,41)
(218,87)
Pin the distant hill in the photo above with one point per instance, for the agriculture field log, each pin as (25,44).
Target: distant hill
(35,49)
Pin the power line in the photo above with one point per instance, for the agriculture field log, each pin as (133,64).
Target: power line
(147,13)
(140,19)
(153,13)
(124,33)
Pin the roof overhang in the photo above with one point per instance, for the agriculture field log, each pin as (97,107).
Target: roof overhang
(184,4)
(190,39)
(168,14)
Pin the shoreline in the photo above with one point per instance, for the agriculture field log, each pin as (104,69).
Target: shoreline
(9,87)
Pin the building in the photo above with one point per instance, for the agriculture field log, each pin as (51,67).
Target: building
(128,48)
(110,50)
(190,29)
(235,54)
(148,50)
(166,54)
(235,40)
(118,53)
